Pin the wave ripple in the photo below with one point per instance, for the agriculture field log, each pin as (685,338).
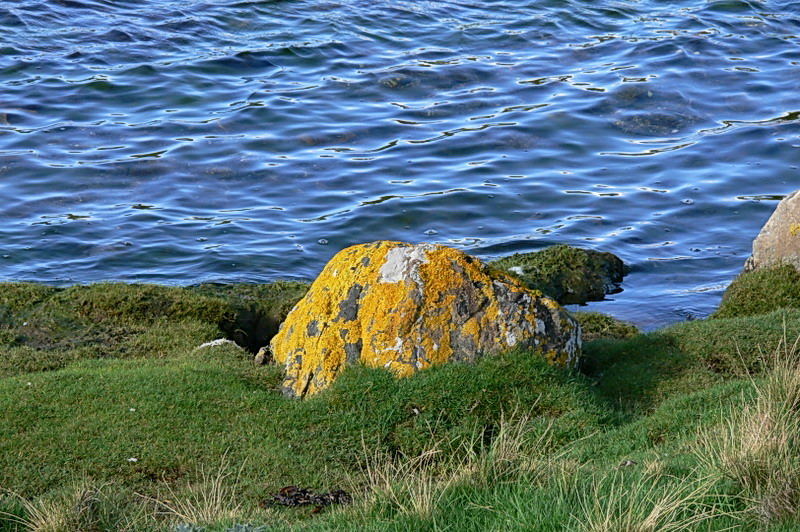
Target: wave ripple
(178,142)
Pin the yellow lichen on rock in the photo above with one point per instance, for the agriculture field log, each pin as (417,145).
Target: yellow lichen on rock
(408,307)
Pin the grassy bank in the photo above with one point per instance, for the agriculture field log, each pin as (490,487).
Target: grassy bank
(114,418)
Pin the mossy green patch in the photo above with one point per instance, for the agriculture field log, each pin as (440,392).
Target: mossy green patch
(736,346)
(636,374)
(595,326)
(18,297)
(138,302)
(45,328)
(760,291)
(633,376)
(567,274)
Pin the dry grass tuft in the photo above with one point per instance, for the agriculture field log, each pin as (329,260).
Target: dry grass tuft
(646,503)
(83,507)
(210,500)
(414,486)
(513,453)
(759,447)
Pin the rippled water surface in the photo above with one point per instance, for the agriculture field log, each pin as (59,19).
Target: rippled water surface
(179,141)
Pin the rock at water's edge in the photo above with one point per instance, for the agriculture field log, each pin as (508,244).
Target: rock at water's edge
(567,274)
(409,307)
(778,243)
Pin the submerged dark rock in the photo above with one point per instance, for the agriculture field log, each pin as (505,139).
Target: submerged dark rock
(639,109)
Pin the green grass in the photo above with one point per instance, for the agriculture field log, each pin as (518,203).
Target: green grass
(595,326)
(114,420)
(45,328)
(761,291)
(191,410)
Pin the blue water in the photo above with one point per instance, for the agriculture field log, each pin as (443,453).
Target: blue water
(180,141)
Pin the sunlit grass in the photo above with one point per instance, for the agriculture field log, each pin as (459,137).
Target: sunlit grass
(692,427)
(759,446)
(81,506)
(212,498)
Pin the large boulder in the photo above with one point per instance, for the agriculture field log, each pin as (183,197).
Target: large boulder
(778,243)
(409,307)
(567,274)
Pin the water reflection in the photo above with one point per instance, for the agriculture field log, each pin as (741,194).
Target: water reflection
(143,142)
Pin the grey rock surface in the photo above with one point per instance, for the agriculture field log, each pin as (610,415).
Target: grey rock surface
(779,240)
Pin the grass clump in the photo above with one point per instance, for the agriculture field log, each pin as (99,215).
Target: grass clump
(761,291)
(567,274)
(80,506)
(644,503)
(758,447)
(414,486)
(595,325)
(736,346)
(213,498)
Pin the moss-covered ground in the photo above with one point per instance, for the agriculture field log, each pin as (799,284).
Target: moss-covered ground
(46,328)
(113,419)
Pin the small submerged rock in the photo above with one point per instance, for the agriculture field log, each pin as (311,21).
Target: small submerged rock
(639,109)
(409,307)
(658,124)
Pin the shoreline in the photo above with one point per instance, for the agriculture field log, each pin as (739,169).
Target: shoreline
(128,388)
(131,405)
